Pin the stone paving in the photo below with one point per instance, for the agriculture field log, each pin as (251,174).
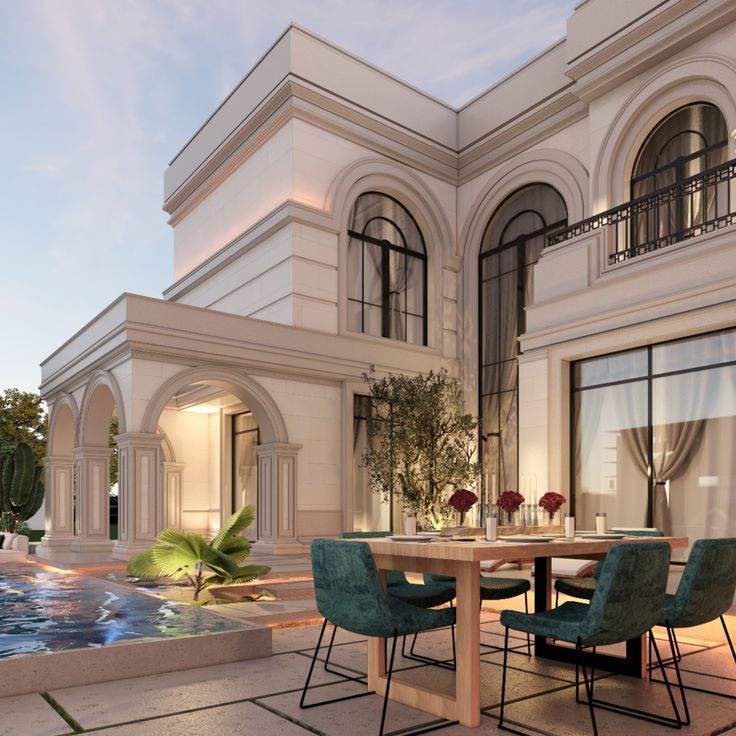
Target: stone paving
(262,696)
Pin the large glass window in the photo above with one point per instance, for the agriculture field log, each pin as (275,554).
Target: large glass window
(654,431)
(245,439)
(512,244)
(688,142)
(370,512)
(387,271)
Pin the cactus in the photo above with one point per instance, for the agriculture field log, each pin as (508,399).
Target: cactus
(21,489)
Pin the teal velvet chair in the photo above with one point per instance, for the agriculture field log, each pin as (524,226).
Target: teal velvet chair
(706,591)
(428,595)
(585,587)
(350,596)
(495,588)
(627,603)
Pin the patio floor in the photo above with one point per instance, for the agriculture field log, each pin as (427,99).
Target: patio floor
(262,696)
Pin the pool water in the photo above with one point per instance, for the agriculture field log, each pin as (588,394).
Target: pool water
(42,611)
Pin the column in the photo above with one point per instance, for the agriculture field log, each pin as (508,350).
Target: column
(171,510)
(92,514)
(276,513)
(140,495)
(58,507)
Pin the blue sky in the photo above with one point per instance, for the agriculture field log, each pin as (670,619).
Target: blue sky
(98,95)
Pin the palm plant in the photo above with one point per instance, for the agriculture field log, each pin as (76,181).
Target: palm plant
(184,555)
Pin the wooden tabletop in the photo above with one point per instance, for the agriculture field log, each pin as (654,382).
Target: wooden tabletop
(477,551)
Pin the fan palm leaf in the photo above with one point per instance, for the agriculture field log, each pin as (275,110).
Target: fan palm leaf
(234,526)
(237,548)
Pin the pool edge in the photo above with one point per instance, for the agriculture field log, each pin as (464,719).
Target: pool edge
(37,673)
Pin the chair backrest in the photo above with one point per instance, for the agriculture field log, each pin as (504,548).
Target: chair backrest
(628,533)
(629,597)
(348,589)
(708,583)
(394,577)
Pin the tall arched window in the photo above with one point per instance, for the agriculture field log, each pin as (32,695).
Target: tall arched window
(686,143)
(512,244)
(387,271)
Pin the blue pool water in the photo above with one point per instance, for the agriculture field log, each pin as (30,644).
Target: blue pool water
(43,611)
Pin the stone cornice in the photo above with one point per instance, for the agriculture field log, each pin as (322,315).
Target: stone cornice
(652,39)
(153,329)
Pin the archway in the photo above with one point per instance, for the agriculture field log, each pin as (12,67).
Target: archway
(232,446)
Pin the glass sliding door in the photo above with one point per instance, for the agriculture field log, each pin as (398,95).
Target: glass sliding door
(654,431)
(245,466)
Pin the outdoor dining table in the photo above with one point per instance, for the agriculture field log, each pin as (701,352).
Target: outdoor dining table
(462,560)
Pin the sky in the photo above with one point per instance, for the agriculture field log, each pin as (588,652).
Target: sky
(97,96)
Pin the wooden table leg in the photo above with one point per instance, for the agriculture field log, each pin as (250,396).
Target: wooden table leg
(467,675)
(377,651)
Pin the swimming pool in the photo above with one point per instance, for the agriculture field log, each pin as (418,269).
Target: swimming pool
(45,611)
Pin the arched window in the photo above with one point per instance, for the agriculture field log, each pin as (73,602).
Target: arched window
(387,271)
(688,142)
(512,244)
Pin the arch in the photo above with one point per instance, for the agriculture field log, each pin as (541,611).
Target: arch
(168,455)
(379,175)
(707,78)
(63,426)
(102,395)
(250,392)
(558,169)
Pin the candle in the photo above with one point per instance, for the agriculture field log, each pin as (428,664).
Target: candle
(493,487)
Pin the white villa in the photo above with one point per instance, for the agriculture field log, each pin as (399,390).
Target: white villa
(564,243)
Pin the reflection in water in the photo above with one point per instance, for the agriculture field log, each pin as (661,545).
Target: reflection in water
(50,612)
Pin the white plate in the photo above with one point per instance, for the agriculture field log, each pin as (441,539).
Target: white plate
(593,535)
(526,538)
(416,538)
(428,534)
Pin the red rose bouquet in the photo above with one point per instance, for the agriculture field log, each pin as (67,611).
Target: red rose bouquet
(510,501)
(462,500)
(551,502)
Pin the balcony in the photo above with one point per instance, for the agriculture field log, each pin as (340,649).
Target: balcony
(693,206)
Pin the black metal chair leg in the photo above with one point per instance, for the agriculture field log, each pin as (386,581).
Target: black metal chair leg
(528,636)
(588,687)
(388,686)
(360,680)
(557,598)
(728,638)
(503,677)
(676,662)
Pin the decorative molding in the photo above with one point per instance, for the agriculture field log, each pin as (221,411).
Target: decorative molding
(97,380)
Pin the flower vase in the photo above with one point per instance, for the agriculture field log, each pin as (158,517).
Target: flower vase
(551,518)
(510,518)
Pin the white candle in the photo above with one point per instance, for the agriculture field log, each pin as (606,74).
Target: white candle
(493,487)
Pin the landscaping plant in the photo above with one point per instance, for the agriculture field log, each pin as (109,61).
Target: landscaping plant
(21,489)
(181,554)
(421,444)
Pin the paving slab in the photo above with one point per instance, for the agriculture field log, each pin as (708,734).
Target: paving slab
(297,638)
(246,718)
(117,702)
(30,715)
(558,714)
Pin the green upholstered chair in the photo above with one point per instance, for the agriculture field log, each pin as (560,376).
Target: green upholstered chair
(428,595)
(627,603)
(495,588)
(350,596)
(585,587)
(706,591)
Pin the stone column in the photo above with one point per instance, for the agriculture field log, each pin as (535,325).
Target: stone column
(276,512)
(140,495)
(58,508)
(92,518)
(171,510)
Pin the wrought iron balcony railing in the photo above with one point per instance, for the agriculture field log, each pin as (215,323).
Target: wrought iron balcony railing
(693,206)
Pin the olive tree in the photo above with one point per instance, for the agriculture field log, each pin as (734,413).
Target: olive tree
(421,444)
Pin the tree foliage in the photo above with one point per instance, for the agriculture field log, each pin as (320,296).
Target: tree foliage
(184,555)
(421,443)
(22,419)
